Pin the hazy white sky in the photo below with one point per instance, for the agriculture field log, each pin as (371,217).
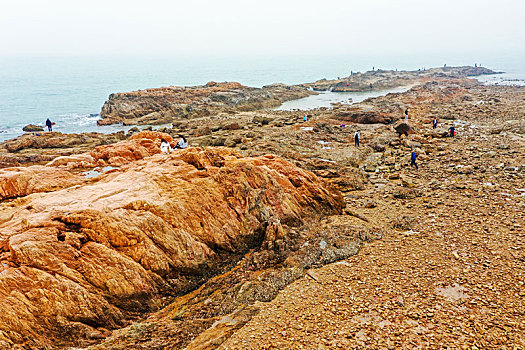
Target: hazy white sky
(73,27)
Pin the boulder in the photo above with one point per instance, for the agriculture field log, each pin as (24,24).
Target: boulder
(362,117)
(32,128)
(403,128)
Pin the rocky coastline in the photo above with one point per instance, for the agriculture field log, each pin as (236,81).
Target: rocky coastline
(272,232)
(168,104)
(381,79)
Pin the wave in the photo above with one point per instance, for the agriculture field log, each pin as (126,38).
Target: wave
(66,123)
(502,79)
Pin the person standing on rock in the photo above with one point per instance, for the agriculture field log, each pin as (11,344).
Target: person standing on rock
(452,131)
(434,123)
(413,158)
(305,118)
(356,138)
(49,125)
(406,115)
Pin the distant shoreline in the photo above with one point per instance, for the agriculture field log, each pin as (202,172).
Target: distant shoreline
(78,123)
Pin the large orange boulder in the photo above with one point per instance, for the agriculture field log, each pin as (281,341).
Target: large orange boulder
(141,145)
(83,259)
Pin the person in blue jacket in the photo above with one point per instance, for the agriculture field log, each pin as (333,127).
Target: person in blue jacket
(413,158)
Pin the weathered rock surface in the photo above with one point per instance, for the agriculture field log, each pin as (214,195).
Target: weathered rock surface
(166,105)
(44,147)
(83,259)
(209,315)
(20,182)
(403,128)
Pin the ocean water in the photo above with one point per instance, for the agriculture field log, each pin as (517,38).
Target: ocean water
(71,90)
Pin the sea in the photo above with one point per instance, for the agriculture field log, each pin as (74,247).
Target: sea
(71,90)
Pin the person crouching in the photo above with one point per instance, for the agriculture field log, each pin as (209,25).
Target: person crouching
(165,146)
(183,143)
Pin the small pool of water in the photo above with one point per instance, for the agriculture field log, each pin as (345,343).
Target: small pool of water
(94,173)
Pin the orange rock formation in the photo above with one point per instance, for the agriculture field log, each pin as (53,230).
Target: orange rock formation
(83,259)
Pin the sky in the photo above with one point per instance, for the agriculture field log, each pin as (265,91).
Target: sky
(234,27)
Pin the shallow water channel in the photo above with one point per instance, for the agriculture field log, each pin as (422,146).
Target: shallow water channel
(327,98)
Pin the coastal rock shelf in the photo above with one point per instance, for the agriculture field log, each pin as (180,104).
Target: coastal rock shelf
(167,104)
(83,259)
(386,79)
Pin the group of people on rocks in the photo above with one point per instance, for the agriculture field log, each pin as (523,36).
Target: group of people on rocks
(413,155)
(166,148)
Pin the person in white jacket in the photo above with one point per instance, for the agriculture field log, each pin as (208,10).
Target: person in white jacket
(165,147)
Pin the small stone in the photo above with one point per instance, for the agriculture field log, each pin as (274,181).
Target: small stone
(370,204)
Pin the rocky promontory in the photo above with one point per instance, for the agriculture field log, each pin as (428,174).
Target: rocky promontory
(381,79)
(168,104)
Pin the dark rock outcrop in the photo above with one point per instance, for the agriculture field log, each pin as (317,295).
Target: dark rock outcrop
(354,115)
(32,128)
(386,79)
(403,128)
